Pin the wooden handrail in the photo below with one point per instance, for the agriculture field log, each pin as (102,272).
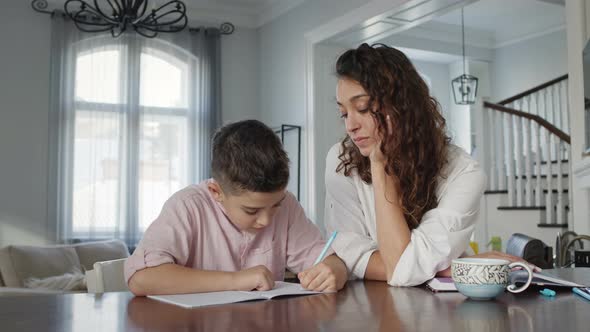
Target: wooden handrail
(542,122)
(533,90)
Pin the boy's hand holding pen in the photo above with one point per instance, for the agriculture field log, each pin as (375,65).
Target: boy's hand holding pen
(326,275)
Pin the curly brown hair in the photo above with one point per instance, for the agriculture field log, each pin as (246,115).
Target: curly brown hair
(416,149)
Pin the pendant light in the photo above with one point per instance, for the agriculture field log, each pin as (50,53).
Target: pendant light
(464,86)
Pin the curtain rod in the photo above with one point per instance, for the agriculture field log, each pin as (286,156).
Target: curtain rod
(40,6)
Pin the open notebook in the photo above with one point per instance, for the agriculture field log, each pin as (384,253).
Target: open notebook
(565,277)
(441,285)
(213,298)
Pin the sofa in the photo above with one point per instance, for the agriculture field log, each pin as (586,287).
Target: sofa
(93,263)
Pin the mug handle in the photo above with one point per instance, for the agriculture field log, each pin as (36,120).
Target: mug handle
(513,288)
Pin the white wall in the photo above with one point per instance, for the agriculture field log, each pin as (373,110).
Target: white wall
(24,96)
(440,82)
(481,70)
(282,58)
(329,126)
(521,66)
(282,65)
(24,99)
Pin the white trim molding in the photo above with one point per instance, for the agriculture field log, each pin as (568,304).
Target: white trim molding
(310,130)
(582,174)
(529,36)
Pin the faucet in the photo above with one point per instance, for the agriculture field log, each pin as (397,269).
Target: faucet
(562,259)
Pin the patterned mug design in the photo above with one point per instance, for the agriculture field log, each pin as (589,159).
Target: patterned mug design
(480,274)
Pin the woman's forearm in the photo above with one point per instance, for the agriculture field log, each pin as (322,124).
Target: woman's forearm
(393,234)
(375,269)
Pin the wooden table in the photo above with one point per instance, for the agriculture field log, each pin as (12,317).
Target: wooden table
(361,306)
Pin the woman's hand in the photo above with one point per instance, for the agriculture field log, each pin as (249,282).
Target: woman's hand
(376,156)
(495,255)
(498,255)
(510,258)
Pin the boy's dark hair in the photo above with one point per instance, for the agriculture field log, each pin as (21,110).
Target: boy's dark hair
(249,156)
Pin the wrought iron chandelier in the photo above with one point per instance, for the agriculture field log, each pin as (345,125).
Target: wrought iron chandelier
(464,86)
(117,16)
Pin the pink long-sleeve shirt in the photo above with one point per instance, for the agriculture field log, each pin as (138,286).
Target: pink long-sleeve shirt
(193,230)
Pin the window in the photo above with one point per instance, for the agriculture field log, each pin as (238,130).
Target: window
(131,132)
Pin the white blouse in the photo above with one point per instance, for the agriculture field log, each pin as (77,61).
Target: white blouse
(443,233)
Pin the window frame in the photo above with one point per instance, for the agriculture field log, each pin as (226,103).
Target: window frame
(130,56)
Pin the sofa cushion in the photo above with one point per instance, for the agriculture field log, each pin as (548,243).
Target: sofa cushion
(92,252)
(19,291)
(21,262)
(75,281)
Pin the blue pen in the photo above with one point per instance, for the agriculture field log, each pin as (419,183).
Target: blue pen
(325,250)
(582,293)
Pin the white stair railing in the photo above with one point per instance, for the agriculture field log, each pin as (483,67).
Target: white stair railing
(525,140)
(549,174)
(531,143)
(528,162)
(538,168)
(548,100)
(500,166)
(509,119)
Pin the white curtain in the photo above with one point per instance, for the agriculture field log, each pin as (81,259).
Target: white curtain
(130,123)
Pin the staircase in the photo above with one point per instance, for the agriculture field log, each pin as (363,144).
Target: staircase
(524,147)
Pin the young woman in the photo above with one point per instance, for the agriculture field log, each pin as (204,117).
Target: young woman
(403,199)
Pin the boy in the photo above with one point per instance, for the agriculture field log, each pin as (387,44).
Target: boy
(237,231)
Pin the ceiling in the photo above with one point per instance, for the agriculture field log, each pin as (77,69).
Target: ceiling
(488,23)
(433,25)
(508,20)
(242,13)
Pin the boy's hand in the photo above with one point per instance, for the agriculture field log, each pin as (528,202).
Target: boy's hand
(328,276)
(254,278)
